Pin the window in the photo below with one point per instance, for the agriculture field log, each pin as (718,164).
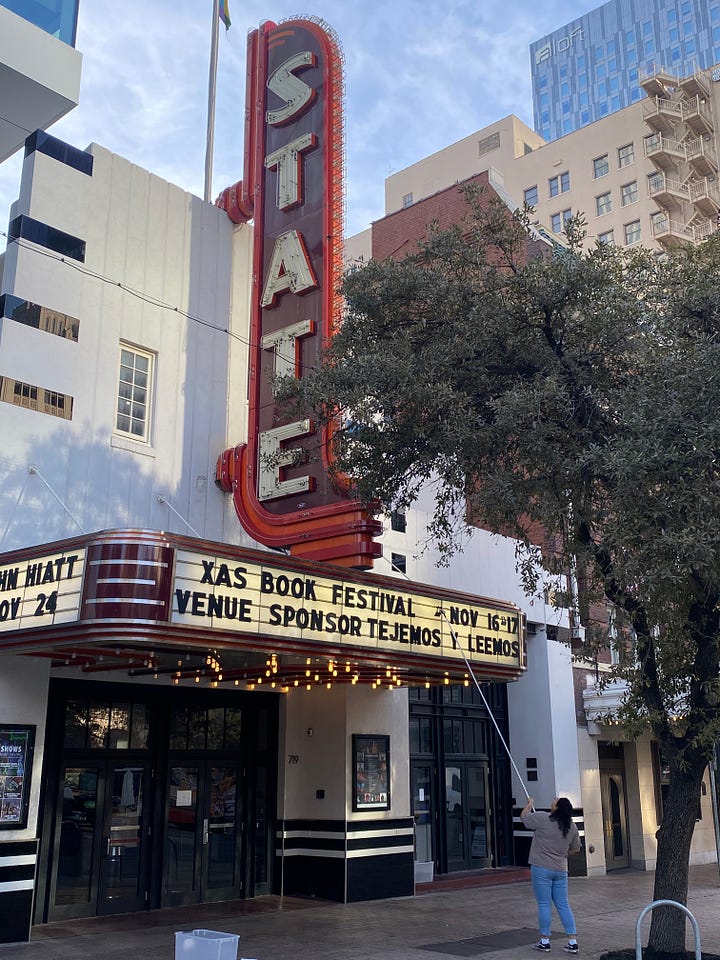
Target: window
(632,232)
(398,562)
(601,166)
(488,144)
(531,196)
(77,159)
(629,193)
(603,204)
(32,397)
(558,220)
(39,317)
(656,181)
(607,237)
(659,222)
(407,200)
(559,184)
(133,405)
(398,521)
(26,228)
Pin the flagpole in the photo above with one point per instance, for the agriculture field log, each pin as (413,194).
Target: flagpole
(212,83)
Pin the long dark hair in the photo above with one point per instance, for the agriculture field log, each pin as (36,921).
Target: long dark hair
(562,814)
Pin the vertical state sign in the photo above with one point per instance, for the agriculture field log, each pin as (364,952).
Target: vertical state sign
(284,491)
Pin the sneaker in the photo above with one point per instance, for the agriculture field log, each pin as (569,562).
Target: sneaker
(571,947)
(543,947)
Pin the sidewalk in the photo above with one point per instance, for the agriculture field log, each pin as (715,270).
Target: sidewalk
(492,923)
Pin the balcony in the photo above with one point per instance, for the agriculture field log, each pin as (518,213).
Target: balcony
(703,229)
(697,114)
(695,85)
(700,154)
(671,233)
(667,192)
(658,82)
(662,115)
(665,153)
(704,194)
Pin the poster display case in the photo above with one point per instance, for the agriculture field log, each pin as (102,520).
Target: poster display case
(371,767)
(16,749)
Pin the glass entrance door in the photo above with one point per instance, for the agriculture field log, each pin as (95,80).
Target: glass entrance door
(467,816)
(612,793)
(202,859)
(422,812)
(101,849)
(122,851)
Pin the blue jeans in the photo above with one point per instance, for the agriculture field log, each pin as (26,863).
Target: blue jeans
(552,886)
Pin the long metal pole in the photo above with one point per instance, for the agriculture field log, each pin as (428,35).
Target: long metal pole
(212,84)
(487,705)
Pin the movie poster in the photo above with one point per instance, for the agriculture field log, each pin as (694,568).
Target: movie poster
(371,766)
(16,748)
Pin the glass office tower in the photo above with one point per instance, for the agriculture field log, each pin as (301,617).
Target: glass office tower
(591,67)
(56,17)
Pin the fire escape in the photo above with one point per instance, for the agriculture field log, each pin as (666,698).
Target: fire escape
(682,149)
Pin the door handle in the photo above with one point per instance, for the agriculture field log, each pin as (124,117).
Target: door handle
(206,831)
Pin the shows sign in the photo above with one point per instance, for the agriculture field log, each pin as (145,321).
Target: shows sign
(284,491)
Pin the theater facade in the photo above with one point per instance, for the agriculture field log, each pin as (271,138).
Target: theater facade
(199,722)
(214,684)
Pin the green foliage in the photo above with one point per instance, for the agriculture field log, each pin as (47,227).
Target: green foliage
(578,391)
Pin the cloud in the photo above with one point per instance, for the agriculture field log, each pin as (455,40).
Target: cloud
(419,76)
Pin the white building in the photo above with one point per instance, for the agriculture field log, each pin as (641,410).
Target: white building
(123,376)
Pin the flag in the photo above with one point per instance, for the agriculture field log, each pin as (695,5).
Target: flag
(225,13)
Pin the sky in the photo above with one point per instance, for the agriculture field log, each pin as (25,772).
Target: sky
(418,77)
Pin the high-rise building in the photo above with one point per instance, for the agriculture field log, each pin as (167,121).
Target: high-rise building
(646,174)
(39,67)
(592,66)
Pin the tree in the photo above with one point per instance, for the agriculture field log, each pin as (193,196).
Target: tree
(578,391)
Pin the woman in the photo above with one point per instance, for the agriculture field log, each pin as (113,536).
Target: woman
(554,836)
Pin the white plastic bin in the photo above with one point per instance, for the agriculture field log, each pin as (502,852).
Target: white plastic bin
(206,945)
